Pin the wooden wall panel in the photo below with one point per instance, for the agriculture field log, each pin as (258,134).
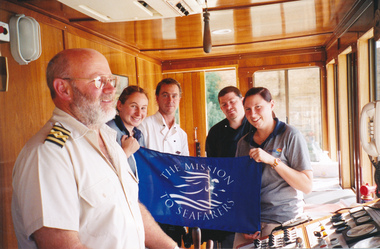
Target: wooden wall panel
(287,58)
(149,74)
(247,64)
(120,62)
(344,142)
(367,171)
(199,110)
(198,64)
(341,44)
(248,60)
(191,110)
(331,113)
(324,112)
(25,108)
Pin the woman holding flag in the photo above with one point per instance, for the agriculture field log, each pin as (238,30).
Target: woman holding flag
(132,108)
(284,154)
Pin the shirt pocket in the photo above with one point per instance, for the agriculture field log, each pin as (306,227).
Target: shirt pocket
(98,193)
(99,209)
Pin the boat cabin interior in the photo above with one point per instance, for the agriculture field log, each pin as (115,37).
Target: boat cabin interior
(318,58)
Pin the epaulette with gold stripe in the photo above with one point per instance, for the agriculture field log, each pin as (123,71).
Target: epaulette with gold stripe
(58,135)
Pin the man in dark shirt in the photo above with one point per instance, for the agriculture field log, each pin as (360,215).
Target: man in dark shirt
(222,141)
(223,137)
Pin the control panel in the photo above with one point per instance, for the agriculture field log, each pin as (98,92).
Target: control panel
(357,227)
(346,230)
(286,238)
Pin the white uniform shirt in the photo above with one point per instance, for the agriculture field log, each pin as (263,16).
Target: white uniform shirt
(76,188)
(159,137)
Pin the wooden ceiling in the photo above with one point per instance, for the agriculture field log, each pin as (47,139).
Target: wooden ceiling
(256,26)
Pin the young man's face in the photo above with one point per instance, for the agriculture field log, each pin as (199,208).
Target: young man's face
(168,99)
(231,105)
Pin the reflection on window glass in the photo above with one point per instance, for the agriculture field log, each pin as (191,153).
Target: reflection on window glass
(216,81)
(177,116)
(305,107)
(274,81)
(300,106)
(259,20)
(300,16)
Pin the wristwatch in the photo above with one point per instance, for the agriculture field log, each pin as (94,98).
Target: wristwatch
(275,163)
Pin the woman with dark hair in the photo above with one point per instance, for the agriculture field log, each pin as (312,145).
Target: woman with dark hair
(284,155)
(132,108)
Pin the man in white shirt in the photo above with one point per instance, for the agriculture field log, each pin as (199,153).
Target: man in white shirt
(163,134)
(160,130)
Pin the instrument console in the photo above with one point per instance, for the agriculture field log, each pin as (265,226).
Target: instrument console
(358,227)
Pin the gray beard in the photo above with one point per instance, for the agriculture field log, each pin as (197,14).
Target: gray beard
(88,111)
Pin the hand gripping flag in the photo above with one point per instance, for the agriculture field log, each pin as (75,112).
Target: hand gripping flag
(210,193)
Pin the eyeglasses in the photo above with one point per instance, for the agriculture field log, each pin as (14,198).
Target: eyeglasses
(100,81)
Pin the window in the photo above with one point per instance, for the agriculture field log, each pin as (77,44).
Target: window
(216,81)
(297,102)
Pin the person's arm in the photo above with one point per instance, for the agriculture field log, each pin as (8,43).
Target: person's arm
(209,147)
(155,238)
(213,142)
(129,145)
(300,180)
(52,238)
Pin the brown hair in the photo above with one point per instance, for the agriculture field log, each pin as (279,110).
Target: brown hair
(168,81)
(262,91)
(229,89)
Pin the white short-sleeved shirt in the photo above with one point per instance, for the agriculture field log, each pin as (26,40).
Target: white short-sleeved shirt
(159,137)
(74,187)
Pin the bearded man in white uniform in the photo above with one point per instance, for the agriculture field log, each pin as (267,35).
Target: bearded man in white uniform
(72,185)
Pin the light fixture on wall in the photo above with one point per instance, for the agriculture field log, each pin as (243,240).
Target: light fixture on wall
(94,12)
(206,32)
(25,38)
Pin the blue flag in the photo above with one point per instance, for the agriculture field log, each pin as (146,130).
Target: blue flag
(205,192)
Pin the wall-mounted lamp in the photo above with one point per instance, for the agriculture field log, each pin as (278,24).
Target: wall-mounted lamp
(25,38)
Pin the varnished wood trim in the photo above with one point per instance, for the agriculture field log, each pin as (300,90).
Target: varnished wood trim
(349,19)
(345,171)
(364,98)
(75,28)
(246,6)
